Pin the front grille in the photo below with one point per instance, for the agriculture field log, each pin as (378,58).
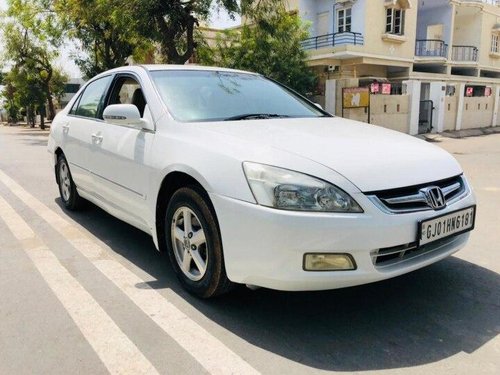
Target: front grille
(412,199)
(391,256)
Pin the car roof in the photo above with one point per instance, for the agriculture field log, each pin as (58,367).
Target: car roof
(157,67)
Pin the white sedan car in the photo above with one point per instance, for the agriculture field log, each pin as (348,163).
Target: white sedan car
(241,180)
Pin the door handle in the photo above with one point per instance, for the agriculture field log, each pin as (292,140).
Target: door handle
(96,138)
(65,127)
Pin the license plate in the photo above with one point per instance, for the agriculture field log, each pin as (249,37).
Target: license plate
(446,225)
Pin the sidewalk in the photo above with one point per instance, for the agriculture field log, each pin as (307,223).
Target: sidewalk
(438,137)
(25,125)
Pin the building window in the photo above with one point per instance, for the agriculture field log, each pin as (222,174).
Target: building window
(395,20)
(344,20)
(495,39)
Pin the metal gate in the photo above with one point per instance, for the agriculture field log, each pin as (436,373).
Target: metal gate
(425,116)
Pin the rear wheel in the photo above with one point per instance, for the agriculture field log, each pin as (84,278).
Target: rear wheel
(67,188)
(194,244)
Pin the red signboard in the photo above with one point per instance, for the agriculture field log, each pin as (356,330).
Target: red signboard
(386,88)
(374,88)
(469,91)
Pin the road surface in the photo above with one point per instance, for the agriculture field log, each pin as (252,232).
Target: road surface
(86,293)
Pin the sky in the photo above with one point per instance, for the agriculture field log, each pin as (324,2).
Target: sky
(218,19)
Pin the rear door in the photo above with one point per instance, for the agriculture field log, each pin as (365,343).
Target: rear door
(78,128)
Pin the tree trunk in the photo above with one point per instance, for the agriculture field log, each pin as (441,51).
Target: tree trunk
(30,116)
(50,101)
(52,110)
(168,42)
(42,117)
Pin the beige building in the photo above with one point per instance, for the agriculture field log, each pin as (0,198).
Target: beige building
(430,65)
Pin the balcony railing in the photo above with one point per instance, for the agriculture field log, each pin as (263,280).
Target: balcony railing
(431,48)
(464,53)
(332,40)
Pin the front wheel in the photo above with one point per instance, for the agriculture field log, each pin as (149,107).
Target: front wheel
(194,244)
(67,187)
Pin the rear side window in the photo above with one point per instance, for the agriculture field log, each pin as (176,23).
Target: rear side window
(92,100)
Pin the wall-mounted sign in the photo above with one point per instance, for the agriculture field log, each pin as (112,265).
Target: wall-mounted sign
(487,91)
(469,91)
(355,97)
(374,88)
(386,88)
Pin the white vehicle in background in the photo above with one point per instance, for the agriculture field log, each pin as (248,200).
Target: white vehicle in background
(241,180)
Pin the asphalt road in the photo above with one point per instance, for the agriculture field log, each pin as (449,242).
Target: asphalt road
(86,293)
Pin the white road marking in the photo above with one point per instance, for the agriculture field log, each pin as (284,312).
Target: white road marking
(114,348)
(205,348)
(210,352)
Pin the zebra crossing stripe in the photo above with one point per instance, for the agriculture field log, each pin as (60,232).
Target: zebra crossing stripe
(206,349)
(113,347)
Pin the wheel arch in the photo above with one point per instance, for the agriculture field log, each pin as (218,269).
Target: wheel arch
(170,183)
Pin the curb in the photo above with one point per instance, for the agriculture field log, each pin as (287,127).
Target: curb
(458,134)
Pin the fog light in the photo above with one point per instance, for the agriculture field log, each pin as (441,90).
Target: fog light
(328,262)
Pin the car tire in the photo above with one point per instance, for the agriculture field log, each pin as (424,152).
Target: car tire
(194,243)
(67,188)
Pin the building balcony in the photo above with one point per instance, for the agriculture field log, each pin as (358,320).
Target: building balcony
(431,48)
(333,40)
(464,53)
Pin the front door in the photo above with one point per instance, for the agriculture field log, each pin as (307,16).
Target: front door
(120,159)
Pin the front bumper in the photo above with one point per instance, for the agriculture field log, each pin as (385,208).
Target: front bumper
(265,247)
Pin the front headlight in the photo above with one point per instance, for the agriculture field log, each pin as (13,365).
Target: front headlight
(289,190)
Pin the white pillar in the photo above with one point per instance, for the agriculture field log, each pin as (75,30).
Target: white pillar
(413,91)
(460,107)
(437,94)
(330,95)
(495,106)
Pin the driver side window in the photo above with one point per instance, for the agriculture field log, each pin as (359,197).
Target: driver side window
(127,90)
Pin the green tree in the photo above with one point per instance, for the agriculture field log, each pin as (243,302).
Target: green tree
(31,39)
(11,102)
(104,29)
(172,24)
(28,91)
(270,44)
(58,83)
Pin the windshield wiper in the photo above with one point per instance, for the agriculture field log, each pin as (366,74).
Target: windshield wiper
(253,116)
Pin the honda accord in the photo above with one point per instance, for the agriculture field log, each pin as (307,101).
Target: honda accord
(241,180)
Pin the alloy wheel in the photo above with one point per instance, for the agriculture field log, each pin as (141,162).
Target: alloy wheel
(189,243)
(64,181)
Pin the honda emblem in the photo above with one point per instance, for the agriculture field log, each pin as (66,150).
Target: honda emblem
(434,196)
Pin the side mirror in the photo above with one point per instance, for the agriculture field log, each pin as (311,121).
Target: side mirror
(123,114)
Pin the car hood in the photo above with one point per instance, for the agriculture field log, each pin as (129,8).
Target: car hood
(371,157)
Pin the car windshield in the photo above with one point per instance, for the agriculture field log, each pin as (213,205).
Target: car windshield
(200,95)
